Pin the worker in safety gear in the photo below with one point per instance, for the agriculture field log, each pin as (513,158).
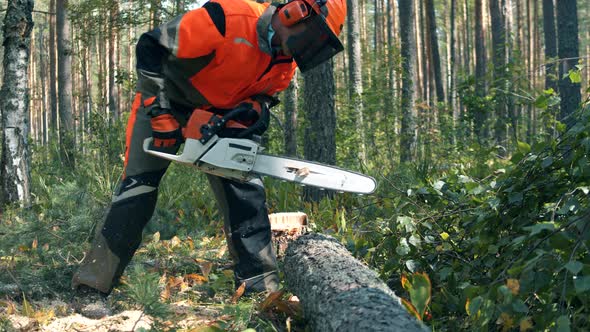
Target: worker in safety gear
(226,54)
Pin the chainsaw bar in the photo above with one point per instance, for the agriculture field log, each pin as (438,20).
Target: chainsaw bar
(313,174)
(239,159)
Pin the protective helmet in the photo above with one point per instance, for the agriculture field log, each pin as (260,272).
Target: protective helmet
(324,20)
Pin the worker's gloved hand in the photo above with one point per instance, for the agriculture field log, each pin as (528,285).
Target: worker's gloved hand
(252,120)
(166,130)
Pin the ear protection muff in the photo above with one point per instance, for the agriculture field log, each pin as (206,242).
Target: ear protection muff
(293,12)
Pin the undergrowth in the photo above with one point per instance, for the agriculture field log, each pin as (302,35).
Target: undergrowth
(504,240)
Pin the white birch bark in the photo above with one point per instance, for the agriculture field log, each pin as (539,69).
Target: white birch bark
(14,104)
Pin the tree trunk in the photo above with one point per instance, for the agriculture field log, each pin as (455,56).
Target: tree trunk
(291,118)
(43,78)
(14,104)
(113,36)
(355,68)
(408,51)
(567,32)
(340,293)
(452,63)
(52,71)
(440,92)
(320,133)
(499,56)
(390,95)
(64,82)
(480,71)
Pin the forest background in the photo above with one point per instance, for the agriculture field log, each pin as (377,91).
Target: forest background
(471,114)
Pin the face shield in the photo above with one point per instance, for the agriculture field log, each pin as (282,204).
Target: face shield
(315,44)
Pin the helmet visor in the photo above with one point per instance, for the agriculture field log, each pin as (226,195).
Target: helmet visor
(315,44)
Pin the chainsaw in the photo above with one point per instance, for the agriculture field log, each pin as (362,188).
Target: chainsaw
(241,158)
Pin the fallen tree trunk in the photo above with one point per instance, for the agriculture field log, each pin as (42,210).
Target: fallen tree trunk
(340,293)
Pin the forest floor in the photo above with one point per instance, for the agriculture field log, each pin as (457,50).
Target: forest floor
(171,285)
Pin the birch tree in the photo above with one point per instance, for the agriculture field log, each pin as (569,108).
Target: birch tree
(355,71)
(14,104)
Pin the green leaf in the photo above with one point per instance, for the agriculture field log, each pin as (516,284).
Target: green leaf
(575,76)
(582,284)
(515,197)
(520,306)
(585,190)
(415,241)
(574,267)
(439,185)
(410,308)
(419,287)
(542,102)
(547,162)
(523,147)
(563,324)
(538,228)
(472,306)
(403,248)
(407,223)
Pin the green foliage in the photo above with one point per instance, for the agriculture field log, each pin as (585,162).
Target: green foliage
(503,248)
(144,289)
(419,287)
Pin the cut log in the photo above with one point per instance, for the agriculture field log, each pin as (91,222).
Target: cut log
(286,227)
(340,293)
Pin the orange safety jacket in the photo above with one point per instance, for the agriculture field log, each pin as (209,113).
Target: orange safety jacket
(217,55)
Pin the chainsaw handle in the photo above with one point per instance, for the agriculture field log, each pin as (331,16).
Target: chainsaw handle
(259,126)
(216,124)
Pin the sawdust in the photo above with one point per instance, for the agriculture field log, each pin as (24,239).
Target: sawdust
(124,321)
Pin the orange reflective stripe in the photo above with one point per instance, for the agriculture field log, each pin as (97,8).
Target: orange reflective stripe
(129,129)
(149,101)
(164,123)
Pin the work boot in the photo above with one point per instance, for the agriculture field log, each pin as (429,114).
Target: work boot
(91,303)
(98,268)
(267,282)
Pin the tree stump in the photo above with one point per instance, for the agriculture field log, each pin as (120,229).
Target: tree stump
(340,293)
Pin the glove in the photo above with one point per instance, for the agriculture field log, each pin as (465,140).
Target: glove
(255,117)
(166,130)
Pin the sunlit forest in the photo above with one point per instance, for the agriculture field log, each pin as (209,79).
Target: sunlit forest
(473,117)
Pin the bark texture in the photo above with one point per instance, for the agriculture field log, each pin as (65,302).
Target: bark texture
(291,118)
(14,104)
(550,36)
(440,94)
(340,293)
(499,57)
(480,71)
(52,71)
(355,72)
(568,52)
(408,140)
(64,84)
(319,144)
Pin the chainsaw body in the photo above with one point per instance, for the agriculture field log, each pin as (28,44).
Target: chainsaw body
(241,159)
